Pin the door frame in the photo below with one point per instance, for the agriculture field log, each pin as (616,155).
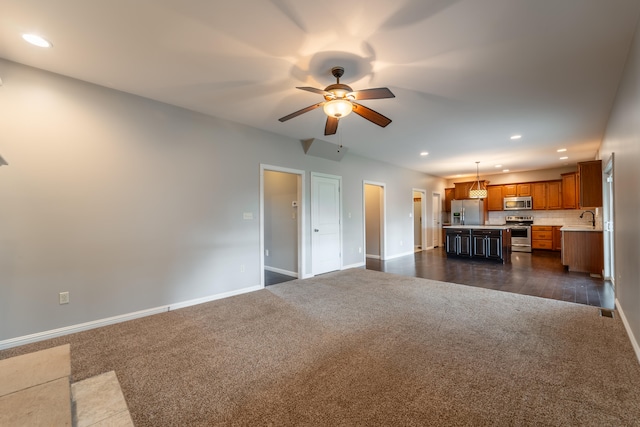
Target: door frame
(437,218)
(608,217)
(423,218)
(301,217)
(339,179)
(383,219)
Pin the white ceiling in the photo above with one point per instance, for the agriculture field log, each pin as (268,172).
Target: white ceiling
(467,74)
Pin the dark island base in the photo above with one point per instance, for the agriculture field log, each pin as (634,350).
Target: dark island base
(479,243)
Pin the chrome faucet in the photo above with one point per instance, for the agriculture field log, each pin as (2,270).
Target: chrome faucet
(593,217)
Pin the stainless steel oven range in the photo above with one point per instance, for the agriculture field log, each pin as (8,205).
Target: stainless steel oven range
(520,232)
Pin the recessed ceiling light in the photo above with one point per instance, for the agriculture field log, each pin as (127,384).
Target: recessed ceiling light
(505,170)
(564,158)
(498,166)
(562,150)
(36,40)
(424,153)
(516,136)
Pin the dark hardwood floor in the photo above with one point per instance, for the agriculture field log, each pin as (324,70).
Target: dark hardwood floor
(273,278)
(540,274)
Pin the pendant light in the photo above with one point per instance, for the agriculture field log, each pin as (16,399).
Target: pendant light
(477,191)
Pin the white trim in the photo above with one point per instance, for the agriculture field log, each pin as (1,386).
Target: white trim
(356,265)
(53,333)
(627,327)
(301,217)
(281,271)
(383,221)
(400,255)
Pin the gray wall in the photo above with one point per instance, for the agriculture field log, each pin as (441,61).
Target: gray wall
(623,138)
(132,204)
(281,221)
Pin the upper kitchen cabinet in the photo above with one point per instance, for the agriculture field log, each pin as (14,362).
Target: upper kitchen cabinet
(494,198)
(570,190)
(590,178)
(547,195)
(449,194)
(516,190)
(462,189)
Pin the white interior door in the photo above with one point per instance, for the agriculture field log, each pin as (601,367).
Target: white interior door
(325,223)
(609,244)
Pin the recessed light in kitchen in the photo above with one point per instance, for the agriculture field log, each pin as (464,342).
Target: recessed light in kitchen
(505,170)
(424,153)
(564,158)
(516,136)
(562,150)
(36,40)
(498,166)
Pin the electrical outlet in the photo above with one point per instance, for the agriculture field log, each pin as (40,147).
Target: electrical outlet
(360,250)
(241,268)
(63,297)
(266,252)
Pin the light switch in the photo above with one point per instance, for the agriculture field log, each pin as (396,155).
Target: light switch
(247,215)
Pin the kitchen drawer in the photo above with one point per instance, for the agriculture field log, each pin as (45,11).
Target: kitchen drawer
(542,244)
(542,228)
(542,235)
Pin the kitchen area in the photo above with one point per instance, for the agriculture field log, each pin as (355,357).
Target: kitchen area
(562,215)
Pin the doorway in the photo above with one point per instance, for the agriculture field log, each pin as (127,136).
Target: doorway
(374,219)
(419,220)
(281,224)
(608,223)
(326,223)
(436,219)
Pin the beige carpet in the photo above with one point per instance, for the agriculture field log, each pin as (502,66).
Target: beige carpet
(366,348)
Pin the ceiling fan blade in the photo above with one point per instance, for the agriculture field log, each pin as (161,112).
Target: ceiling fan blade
(371,115)
(314,90)
(304,110)
(331,127)
(377,93)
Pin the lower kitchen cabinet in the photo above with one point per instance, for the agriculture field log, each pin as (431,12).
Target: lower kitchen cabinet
(458,242)
(485,243)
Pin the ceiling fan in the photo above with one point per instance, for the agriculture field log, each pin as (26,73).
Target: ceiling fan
(339,101)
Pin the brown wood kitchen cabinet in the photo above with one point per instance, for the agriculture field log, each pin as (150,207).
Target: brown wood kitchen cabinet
(547,195)
(449,194)
(516,190)
(462,189)
(494,198)
(542,237)
(590,174)
(557,238)
(570,190)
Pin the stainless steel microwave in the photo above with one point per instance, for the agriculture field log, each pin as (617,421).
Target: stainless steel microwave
(517,203)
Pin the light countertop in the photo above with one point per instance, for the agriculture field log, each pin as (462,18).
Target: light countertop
(478,227)
(580,228)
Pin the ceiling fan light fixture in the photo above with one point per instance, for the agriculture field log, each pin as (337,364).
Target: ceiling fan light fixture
(338,108)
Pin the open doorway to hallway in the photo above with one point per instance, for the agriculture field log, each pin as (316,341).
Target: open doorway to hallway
(419,220)
(374,219)
(281,222)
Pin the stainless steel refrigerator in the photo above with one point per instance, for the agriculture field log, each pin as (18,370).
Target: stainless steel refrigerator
(467,212)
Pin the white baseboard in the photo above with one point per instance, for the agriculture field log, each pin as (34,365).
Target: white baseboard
(399,255)
(632,338)
(202,300)
(281,271)
(356,265)
(53,333)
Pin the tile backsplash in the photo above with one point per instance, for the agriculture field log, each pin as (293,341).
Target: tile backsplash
(551,217)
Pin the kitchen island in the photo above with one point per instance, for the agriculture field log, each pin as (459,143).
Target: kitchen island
(491,242)
(583,249)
